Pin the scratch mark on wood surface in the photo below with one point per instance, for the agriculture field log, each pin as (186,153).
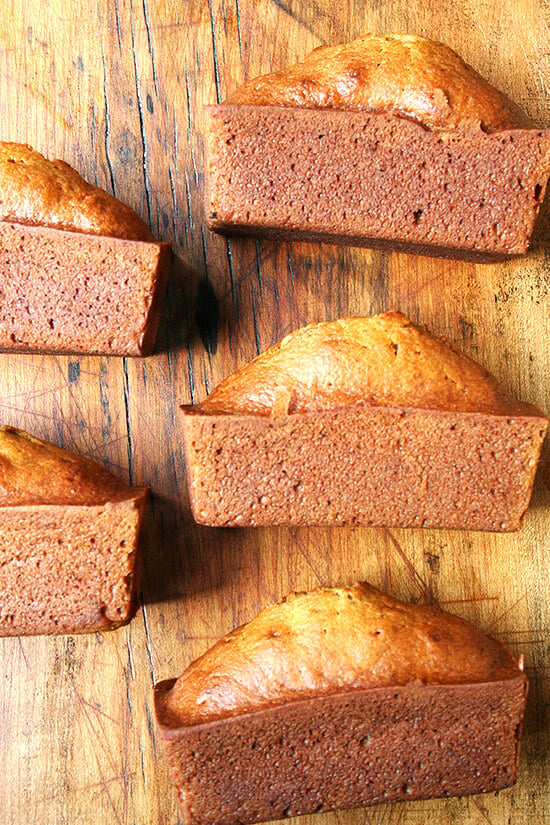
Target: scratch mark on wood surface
(129,708)
(73,372)
(191,372)
(93,447)
(107,754)
(504,613)
(390,814)
(31,396)
(251,268)
(196,176)
(98,710)
(125,774)
(297,19)
(412,294)
(104,394)
(272,597)
(118,27)
(289,264)
(23,654)
(238,11)
(293,532)
(259,266)
(215,52)
(93,129)
(95,725)
(78,789)
(128,425)
(107,123)
(206,379)
(175,209)
(147,640)
(232,279)
(255,319)
(522,633)
(142,762)
(188,97)
(481,811)
(470,599)
(189,222)
(424,588)
(141,120)
(130,658)
(150,727)
(150,45)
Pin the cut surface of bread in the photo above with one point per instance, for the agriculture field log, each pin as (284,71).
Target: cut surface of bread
(386,141)
(365,421)
(69,543)
(337,698)
(79,270)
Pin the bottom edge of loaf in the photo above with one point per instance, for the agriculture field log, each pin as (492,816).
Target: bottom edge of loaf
(276,233)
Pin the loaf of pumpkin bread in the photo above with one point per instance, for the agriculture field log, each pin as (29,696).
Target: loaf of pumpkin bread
(389,141)
(79,270)
(362,421)
(69,540)
(338,698)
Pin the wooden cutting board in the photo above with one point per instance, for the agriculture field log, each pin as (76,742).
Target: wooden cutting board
(117,90)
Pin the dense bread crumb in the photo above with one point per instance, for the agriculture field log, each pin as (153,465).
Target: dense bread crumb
(41,192)
(373,179)
(346,750)
(408,75)
(382,466)
(384,360)
(69,568)
(71,292)
(37,472)
(330,640)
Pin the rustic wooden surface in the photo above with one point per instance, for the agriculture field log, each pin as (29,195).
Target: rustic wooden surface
(116,88)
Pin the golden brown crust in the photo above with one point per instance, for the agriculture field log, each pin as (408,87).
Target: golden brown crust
(40,192)
(384,360)
(332,640)
(406,74)
(36,472)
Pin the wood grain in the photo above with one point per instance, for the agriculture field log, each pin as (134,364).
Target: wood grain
(117,90)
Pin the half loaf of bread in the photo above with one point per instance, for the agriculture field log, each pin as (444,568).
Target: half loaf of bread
(362,421)
(69,534)
(389,141)
(338,698)
(79,270)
